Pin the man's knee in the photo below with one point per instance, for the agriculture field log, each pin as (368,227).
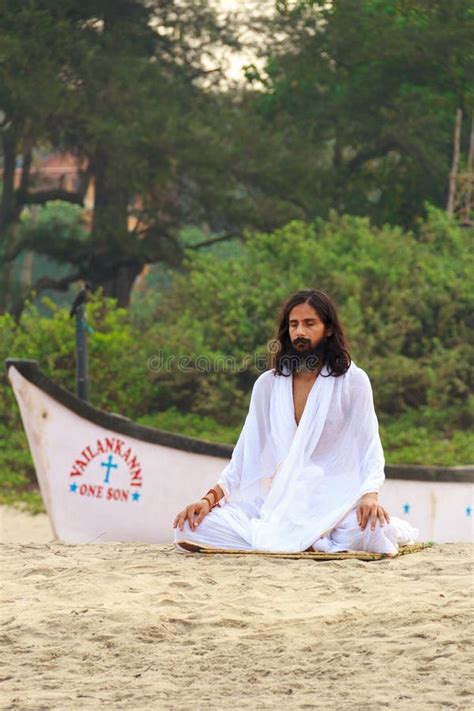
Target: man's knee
(188,531)
(180,534)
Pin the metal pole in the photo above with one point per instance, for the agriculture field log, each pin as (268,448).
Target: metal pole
(82,384)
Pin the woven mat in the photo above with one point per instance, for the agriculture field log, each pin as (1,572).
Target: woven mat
(316,555)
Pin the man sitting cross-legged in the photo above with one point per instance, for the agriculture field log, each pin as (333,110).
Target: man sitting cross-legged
(306,471)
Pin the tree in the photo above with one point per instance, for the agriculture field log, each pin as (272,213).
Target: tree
(31,91)
(377,82)
(118,86)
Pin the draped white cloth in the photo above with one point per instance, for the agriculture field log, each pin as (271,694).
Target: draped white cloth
(301,480)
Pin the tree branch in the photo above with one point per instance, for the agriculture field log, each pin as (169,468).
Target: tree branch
(411,149)
(207,242)
(57,284)
(41,285)
(40,197)
(13,250)
(379,150)
(391,143)
(25,171)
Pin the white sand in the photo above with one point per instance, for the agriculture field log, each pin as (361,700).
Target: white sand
(19,527)
(127,626)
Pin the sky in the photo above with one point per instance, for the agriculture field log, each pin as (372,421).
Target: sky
(238,60)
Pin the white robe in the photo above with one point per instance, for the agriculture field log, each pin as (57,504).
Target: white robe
(291,486)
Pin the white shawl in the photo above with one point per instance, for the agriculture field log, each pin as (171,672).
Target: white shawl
(310,475)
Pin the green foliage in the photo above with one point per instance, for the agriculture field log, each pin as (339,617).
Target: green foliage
(378,82)
(404,298)
(118,376)
(429,437)
(354,111)
(192,425)
(55,230)
(115,354)
(116,369)
(52,236)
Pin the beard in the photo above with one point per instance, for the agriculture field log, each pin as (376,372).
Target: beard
(299,359)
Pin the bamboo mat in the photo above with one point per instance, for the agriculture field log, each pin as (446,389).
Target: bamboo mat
(316,555)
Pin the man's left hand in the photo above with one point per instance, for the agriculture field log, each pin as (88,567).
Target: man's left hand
(370,509)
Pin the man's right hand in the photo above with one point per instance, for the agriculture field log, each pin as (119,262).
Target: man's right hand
(194,513)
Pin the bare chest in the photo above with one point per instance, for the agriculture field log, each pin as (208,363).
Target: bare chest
(301,389)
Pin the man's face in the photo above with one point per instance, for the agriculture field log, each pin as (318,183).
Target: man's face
(306,330)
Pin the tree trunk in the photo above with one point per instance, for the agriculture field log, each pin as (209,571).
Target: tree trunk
(120,287)
(112,266)
(7,205)
(7,217)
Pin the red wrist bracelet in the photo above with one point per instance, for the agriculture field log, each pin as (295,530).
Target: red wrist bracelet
(216,500)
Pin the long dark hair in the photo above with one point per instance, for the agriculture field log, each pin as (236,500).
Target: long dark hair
(334,353)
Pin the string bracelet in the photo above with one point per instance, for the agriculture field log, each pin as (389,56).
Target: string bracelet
(213,491)
(207,498)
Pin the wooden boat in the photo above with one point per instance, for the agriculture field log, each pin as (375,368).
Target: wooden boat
(105,478)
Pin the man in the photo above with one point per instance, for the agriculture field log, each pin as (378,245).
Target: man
(306,471)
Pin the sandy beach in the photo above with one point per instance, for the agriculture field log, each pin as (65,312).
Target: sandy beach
(127,626)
